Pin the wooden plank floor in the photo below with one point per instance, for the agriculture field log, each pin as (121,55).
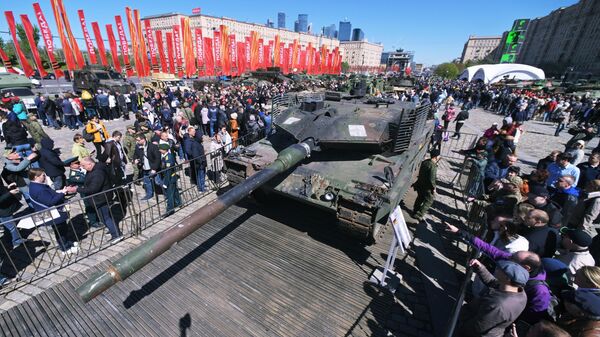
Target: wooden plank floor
(281,272)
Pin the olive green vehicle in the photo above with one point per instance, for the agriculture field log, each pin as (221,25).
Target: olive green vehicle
(92,78)
(399,84)
(18,85)
(360,168)
(161,81)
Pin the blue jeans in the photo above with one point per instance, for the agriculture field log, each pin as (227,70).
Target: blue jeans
(546,116)
(200,177)
(559,128)
(58,182)
(11,226)
(52,122)
(148,184)
(212,127)
(71,121)
(107,219)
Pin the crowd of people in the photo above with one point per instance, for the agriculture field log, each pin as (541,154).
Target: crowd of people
(167,129)
(540,270)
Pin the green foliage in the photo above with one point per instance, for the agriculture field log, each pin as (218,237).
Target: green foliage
(447,70)
(345,67)
(24,43)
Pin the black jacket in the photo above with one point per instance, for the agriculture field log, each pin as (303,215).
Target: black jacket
(153,156)
(9,203)
(50,108)
(97,181)
(49,159)
(14,133)
(542,240)
(587,173)
(194,149)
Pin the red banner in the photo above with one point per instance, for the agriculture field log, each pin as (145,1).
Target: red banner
(6,61)
(286,60)
(151,45)
(177,46)
(170,52)
(161,52)
(33,46)
(188,47)
(309,58)
(63,39)
(13,32)
(254,62)
(225,56)
(267,57)
(113,48)
(124,45)
(46,35)
(248,49)
(199,51)
(86,37)
(241,57)
(100,43)
(233,55)
(276,56)
(295,55)
(208,57)
(261,54)
(74,47)
(141,43)
(281,56)
(217,50)
(139,66)
(303,60)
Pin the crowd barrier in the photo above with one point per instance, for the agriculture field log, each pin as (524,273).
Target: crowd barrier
(40,255)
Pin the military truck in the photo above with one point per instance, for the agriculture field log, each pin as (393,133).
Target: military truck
(93,78)
(161,81)
(18,85)
(362,164)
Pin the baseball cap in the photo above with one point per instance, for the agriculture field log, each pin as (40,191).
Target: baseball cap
(539,190)
(578,236)
(517,274)
(434,153)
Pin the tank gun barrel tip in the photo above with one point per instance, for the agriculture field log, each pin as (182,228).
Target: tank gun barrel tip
(97,284)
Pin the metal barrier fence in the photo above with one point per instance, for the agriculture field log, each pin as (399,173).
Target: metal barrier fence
(82,221)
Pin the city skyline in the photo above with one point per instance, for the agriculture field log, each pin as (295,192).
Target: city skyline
(433,44)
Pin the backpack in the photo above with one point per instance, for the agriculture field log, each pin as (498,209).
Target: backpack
(554,306)
(88,137)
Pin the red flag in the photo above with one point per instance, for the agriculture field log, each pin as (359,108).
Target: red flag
(233,55)
(295,54)
(161,52)
(188,47)
(100,43)
(170,52)
(113,48)
(7,63)
(217,50)
(86,36)
(63,39)
(200,52)
(286,63)
(139,66)
(225,56)
(208,57)
(261,54)
(177,46)
(276,56)
(241,57)
(141,43)
(34,48)
(27,69)
(254,62)
(151,45)
(281,56)
(74,47)
(46,35)
(124,45)
(248,54)
(303,60)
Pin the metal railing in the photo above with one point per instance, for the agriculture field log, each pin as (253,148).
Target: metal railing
(82,221)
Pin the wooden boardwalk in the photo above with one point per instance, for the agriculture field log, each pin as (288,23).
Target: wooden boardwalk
(283,271)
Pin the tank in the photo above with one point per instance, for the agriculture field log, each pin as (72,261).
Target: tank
(360,168)
(18,85)
(399,84)
(92,78)
(143,254)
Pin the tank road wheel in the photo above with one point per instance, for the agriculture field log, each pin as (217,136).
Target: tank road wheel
(366,235)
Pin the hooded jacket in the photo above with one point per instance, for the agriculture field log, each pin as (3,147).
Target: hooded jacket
(49,159)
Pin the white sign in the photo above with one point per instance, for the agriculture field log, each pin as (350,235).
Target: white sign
(400,229)
(357,130)
(291,120)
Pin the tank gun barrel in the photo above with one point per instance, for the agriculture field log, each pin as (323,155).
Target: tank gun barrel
(155,246)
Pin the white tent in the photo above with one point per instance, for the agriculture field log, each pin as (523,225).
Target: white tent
(469,72)
(492,73)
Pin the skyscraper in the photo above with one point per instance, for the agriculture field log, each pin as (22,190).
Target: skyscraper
(296,26)
(303,23)
(329,31)
(358,34)
(281,20)
(270,23)
(345,31)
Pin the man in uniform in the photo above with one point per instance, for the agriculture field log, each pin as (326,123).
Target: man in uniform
(425,185)
(129,147)
(169,177)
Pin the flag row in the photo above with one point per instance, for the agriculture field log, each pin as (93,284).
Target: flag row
(182,50)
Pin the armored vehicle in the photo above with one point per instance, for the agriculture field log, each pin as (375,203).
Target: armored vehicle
(93,78)
(354,88)
(360,168)
(18,85)
(161,81)
(399,84)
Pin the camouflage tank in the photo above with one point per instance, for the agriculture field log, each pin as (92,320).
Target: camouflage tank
(91,78)
(360,167)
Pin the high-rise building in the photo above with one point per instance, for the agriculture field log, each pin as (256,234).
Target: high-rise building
(478,48)
(296,26)
(329,31)
(270,23)
(281,20)
(302,23)
(345,31)
(358,34)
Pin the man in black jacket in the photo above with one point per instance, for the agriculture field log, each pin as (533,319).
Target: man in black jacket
(51,163)
(96,181)
(50,109)
(147,158)
(192,145)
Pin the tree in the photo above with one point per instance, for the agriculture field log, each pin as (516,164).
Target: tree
(24,42)
(345,67)
(447,70)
